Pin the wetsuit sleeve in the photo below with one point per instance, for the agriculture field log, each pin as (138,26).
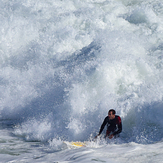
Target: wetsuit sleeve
(103,125)
(119,123)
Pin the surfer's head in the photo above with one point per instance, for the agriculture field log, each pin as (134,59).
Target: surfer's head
(111,114)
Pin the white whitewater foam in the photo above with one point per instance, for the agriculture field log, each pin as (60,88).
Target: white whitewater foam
(65,63)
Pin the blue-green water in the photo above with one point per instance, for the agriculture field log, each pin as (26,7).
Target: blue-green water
(65,63)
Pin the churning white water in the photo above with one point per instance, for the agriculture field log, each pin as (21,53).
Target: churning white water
(65,63)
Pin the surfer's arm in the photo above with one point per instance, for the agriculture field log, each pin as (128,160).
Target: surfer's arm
(103,125)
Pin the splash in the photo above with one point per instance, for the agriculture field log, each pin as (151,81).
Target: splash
(64,64)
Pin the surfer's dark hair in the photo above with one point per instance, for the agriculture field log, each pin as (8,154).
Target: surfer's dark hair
(113,111)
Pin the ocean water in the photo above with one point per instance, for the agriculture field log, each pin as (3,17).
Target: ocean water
(64,64)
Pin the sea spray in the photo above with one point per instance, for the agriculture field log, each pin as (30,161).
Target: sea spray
(64,64)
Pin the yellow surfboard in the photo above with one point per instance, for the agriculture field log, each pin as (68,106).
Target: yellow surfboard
(76,144)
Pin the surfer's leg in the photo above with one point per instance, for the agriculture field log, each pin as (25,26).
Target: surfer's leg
(107,133)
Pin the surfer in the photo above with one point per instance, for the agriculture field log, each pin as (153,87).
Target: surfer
(114,125)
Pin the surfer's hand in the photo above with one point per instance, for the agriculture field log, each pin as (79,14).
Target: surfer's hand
(111,136)
(97,136)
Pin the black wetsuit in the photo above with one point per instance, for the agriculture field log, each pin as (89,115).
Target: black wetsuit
(114,126)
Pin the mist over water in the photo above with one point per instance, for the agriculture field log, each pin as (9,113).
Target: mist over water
(65,63)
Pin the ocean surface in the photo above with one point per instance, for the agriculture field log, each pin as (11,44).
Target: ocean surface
(64,64)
